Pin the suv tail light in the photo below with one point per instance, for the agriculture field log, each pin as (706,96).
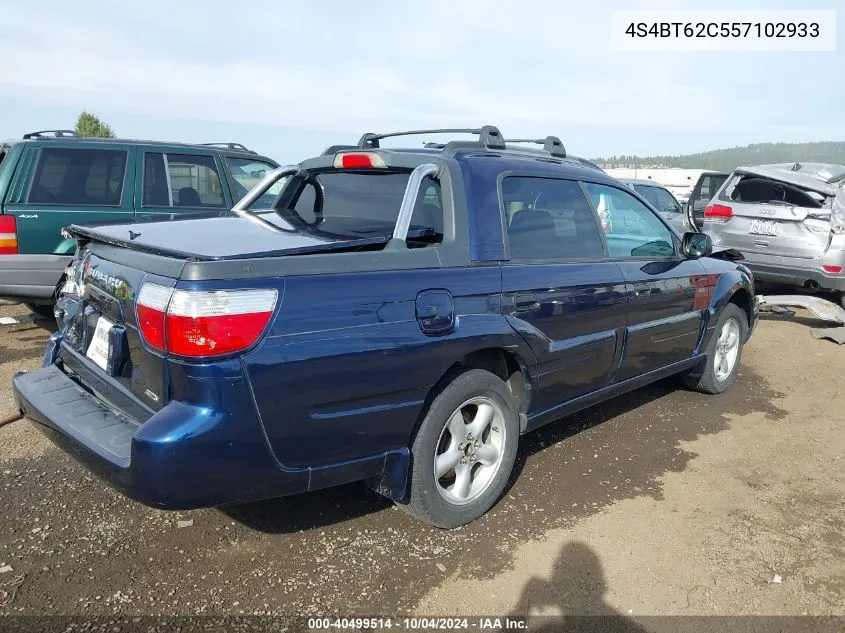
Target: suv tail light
(718,212)
(203,323)
(8,235)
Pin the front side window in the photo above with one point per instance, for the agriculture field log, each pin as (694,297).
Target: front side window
(631,229)
(549,219)
(659,198)
(84,177)
(181,180)
(247,173)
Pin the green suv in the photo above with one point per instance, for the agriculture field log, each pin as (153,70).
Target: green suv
(51,179)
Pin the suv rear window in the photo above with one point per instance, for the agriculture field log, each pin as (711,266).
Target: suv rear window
(364,204)
(85,177)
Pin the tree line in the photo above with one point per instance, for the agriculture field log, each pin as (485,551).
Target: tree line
(728,159)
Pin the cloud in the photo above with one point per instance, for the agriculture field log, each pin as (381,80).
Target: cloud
(532,67)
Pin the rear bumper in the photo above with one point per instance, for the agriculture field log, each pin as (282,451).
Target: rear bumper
(186,455)
(797,272)
(796,276)
(31,276)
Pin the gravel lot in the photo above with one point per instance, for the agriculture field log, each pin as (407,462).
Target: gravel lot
(661,502)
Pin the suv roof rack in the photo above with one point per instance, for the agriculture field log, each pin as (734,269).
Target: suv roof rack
(551,144)
(488,136)
(334,149)
(235,146)
(49,134)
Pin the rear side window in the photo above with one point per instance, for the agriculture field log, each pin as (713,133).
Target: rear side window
(365,204)
(247,173)
(710,185)
(84,177)
(181,180)
(549,219)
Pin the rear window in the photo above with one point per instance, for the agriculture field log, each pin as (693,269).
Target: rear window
(757,189)
(84,177)
(364,204)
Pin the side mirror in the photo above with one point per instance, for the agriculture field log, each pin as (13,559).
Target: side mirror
(695,245)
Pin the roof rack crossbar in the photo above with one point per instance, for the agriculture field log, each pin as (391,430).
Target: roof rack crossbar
(233,146)
(551,144)
(50,134)
(488,135)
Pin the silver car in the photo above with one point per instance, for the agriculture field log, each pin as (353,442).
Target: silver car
(662,200)
(788,220)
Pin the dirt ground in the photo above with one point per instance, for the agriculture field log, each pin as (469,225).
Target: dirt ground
(661,502)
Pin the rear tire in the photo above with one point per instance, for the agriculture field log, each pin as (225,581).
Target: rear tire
(42,310)
(724,353)
(464,450)
(47,310)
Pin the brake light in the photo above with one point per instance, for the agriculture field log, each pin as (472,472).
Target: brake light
(203,323)
(718,212)
(364,160)
(8,235)
(151,307)
(832,269)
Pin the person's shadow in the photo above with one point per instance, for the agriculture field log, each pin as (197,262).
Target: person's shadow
(573,598)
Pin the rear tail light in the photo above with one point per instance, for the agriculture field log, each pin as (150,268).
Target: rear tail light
(718,213)
(151,306)
(203,323)
(832,269)
(8,235)
(360,160)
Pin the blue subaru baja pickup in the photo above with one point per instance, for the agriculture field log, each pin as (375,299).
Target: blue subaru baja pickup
(399,317)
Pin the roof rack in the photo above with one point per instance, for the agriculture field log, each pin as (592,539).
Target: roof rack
(551,144)
(488,136)
(50,134)
(234,146)
(334,149)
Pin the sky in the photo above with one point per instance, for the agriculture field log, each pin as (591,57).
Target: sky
(290,78)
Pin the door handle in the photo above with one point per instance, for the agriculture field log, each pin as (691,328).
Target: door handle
(641,289)
(526,302)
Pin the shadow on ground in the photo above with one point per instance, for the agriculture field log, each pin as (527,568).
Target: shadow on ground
(572,598)
(612,451)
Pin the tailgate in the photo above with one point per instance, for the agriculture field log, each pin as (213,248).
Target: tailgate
(767,216)
(102,344)
(785,231)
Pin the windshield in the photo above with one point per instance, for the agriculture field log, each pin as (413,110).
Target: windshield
(343,204)
(248,173)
